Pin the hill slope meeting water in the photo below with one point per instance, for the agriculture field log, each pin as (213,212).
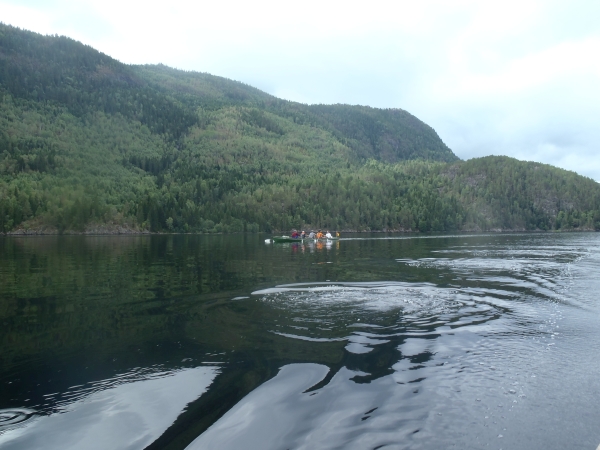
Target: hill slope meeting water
(88,144)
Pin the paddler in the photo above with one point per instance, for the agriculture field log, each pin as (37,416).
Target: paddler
(328,235)
(319,235)
(295,234)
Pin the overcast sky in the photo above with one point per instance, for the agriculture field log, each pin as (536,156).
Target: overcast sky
(517,78)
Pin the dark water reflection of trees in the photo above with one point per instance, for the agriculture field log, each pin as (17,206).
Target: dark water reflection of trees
(77,309)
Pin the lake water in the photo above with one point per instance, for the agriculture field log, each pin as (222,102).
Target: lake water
(374,341)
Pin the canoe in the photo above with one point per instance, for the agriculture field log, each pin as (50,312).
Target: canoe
(286,239)
(291,239)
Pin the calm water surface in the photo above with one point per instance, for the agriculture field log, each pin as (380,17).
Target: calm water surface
(226,342)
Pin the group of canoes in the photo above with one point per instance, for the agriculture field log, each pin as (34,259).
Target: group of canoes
(300,236)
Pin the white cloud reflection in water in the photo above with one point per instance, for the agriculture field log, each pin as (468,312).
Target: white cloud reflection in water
(130,415)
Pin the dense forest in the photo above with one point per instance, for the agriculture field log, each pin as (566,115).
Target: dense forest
(88,144)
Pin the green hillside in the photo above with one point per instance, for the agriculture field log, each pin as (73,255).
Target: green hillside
(89,143)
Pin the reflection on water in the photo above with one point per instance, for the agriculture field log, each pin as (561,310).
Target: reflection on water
(415,354)
(116,413)
(369,342)
(14,418)
(269,416)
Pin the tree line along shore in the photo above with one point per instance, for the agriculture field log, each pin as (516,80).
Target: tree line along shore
(91,145)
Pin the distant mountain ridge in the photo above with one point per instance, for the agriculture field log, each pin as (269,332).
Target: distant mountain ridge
(64,71)
(89,143)
(384,134)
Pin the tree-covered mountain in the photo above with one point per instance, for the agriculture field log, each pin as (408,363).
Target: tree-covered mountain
(87,142)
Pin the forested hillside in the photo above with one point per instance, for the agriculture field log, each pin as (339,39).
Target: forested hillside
(89,143)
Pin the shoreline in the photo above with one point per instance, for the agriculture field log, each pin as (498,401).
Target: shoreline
(124,231)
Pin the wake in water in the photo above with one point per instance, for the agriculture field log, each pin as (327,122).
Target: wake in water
(419,357)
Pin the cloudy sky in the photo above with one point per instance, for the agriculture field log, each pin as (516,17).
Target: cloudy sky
(518,78)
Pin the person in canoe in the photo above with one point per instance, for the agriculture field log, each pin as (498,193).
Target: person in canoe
(319,235)
(295,234)
(337,234)
(328,235)
(312,234)
(303,234)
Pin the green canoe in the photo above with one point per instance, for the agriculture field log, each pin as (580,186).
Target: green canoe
(286,239)
(291,239)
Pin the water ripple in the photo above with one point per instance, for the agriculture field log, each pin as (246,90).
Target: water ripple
(14,417)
